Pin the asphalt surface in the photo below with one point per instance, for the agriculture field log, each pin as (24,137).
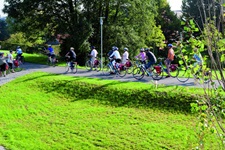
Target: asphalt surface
(29,67)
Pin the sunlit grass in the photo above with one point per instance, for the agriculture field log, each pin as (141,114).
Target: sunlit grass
(32,117)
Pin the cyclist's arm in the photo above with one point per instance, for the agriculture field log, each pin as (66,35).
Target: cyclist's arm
(67,54)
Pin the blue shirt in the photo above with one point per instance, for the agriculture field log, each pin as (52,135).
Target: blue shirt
(51,50)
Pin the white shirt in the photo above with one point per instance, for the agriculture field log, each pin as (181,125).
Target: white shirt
(125,56)
(116,55)
(94,53)
(10,58)
(19,51)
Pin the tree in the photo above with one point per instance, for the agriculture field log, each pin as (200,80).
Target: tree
(210,106)
(3,31)
(199,10)
(168,21)
(127,23)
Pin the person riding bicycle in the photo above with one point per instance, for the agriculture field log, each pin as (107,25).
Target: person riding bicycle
(169,59)
(197,57)
(10,60)
(19,52)
(71,56)
(93,55)
(2,64)
(141,56)
(150,57)
(125,56)
(111,51)
(51,53)
(115,56)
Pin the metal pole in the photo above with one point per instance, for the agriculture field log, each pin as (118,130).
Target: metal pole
(101,23)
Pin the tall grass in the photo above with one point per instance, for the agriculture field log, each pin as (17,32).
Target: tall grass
(34,115)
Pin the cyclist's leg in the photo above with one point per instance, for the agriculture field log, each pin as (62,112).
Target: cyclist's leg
(167,63)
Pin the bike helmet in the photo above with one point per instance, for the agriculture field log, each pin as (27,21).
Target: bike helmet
(115,48)
(49,45)
(170,45)
(142,50)
(92,47)
(18,46)
(71,48)
(125,49)
(147,49)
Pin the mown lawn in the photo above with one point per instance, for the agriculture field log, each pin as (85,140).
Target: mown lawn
(37,113)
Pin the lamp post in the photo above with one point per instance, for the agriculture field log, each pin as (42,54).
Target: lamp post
(101,24)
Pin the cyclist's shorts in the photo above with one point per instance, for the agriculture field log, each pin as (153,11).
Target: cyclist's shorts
(118,60)
(52,55)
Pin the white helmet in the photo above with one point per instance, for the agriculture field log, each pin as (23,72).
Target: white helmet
(125,49)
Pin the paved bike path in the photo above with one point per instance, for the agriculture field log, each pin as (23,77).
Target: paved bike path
(29,67)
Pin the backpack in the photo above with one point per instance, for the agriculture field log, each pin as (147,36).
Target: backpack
(96,62)
(128,64)
(6,66)
(16,63)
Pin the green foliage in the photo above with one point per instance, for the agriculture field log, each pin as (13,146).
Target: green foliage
(127,23)
(4,34)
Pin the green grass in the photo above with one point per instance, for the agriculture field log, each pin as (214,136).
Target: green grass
(42,111)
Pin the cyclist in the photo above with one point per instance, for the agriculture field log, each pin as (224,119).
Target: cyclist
(111,51)
(10,60)
(169,59)
(115,56)
(19,52)
(93,55)
(125,56)
(150,57)
(2,64)
(197,57)
(141,56)
(51,53)
(71,56)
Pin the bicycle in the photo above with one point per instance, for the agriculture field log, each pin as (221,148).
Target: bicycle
(51,61)
(89,66)
(70,65)
(159,69)
(20,59)
(118,69)
(186,73)
(129,65)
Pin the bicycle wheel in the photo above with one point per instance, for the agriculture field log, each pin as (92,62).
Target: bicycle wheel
(138,73)
(204,76)
(67,67)
(174,71)
(98,66)
(88,65)
(157,73)
(122,72)
(106,70)
(184,74)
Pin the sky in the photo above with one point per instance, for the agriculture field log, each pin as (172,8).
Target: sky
(174,4)
(1,7)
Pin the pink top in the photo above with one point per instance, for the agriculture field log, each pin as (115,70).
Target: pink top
(141,56)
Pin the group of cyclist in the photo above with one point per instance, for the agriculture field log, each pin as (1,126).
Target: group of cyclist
(146,57)
(7,62)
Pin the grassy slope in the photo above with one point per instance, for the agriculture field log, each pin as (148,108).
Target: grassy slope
(33,116)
